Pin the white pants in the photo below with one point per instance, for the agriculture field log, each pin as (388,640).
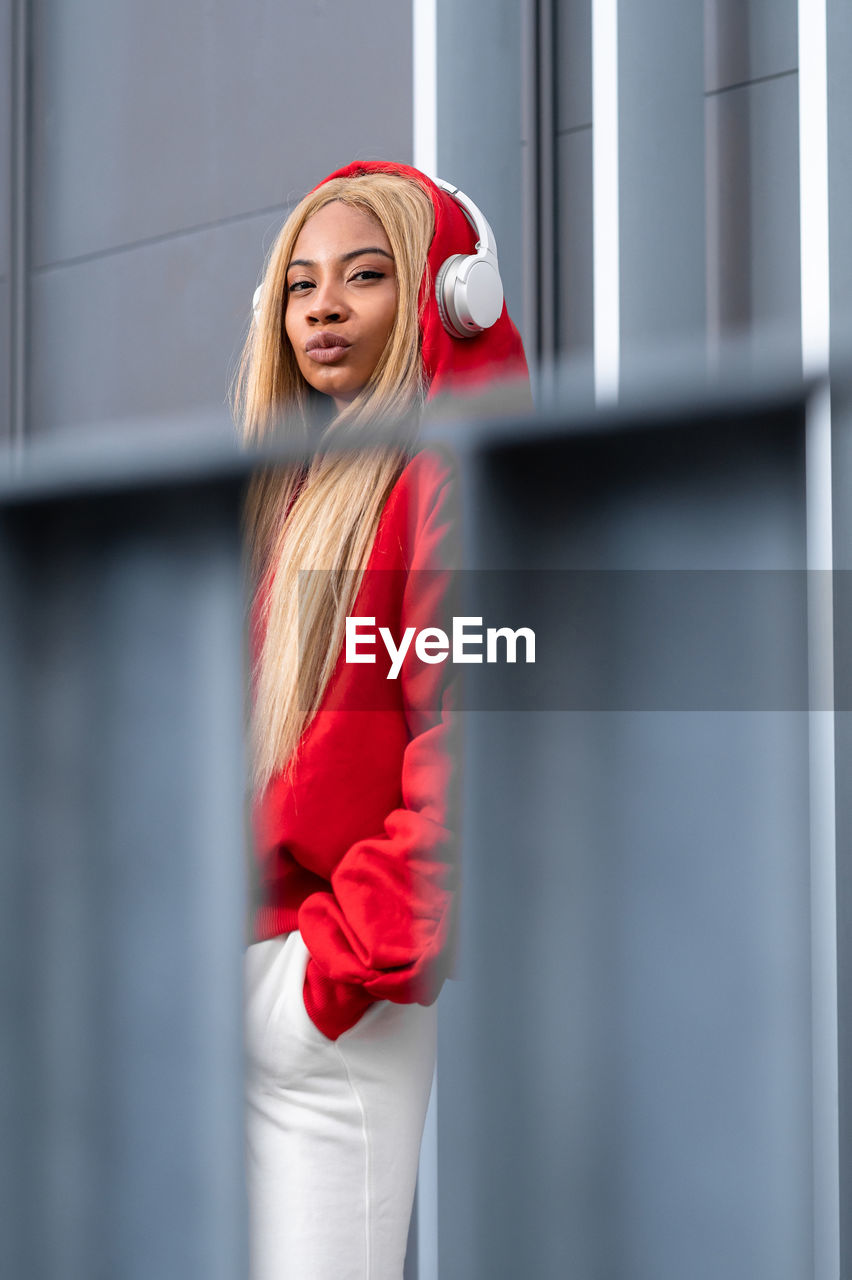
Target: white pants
(333,1128)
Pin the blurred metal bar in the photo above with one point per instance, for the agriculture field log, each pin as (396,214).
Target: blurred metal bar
(626,1077)
(122,874)
(841,465)
(823,832)
(626,1063)
(839,53)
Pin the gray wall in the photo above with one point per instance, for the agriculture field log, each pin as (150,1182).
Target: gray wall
(709,199)
(479,120)
(661,176)
(751,81)
(6,95)
(573,150)
(840,173)
(167,144)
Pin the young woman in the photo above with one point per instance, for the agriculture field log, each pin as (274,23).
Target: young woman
(352,813)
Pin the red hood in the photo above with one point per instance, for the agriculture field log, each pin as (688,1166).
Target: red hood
(452,364)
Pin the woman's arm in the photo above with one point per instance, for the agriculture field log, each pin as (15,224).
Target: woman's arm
(385,929)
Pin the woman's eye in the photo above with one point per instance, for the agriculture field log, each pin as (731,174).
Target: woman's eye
(299,286)
(368,274)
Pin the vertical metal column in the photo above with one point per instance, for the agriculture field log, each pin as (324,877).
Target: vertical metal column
(661,178)
(122,785)
(626,1083)
(839,56)
(541,266)
(841,465)
(839,47)
(19,221)
(478,85)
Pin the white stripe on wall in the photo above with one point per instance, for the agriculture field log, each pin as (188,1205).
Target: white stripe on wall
(607,321)
(816,332)
(424,80)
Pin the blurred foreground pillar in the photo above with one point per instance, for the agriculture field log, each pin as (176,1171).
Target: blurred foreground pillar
(633,1080)
(122,788)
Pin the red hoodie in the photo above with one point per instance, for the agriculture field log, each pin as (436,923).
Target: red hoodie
(356,848)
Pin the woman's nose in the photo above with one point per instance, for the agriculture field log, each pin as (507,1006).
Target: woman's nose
(328,302)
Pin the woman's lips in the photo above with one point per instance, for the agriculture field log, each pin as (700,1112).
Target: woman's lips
(327,355)
(326,348)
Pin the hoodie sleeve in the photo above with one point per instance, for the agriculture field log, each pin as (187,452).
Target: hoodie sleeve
(385,930)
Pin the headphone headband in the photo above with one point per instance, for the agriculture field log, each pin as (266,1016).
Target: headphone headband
(486,243)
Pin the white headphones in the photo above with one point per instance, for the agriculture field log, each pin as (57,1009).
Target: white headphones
(468,288)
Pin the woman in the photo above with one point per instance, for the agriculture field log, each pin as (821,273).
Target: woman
(352,819)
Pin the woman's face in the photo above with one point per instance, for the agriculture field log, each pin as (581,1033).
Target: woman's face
(341,299)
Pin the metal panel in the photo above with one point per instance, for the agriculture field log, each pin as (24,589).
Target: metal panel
(753,217)
(575,298)
(574,64)
(842,534)
(17,1108)
(160,118)
(5,363)
(625,1062)
(839,33)
(479,119)
(153,331)
(14,218)
(538,175)
(121,685)
(747,40)
(839,19)
(661,176)
(5,135)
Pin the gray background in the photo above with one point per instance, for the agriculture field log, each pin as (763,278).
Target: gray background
(163,145)
(149,152)
(166,145)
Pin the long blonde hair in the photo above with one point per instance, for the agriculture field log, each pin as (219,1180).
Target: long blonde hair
(324,515)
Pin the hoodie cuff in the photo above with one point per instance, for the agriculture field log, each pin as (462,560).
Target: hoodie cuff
(333,1007)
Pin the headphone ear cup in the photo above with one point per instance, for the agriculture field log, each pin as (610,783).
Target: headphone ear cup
(469,294)
(445,286)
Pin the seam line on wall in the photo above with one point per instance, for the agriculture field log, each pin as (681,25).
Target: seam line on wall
(160,238)
(745,84)
(574,128)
